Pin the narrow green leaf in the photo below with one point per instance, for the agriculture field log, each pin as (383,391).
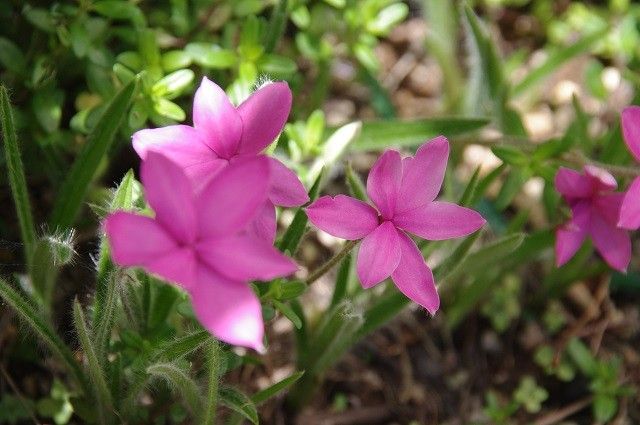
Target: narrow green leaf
(357,188)
(296,229)
(288,313)
(342,281)
(264,395)
(470,190)
(277,26)
(556,59)
(104,326)
(74,189)
(456,257)
(378,135)
(15,171)
(182,346)
(240,403)
(334,147)
(42,329)
(96,373)
(180,383)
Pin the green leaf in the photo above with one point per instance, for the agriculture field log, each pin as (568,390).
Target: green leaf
(604,408)
(15,171)
(379,135)
(264,395)
(387,18)
(510,155)
(582,357)
(211,56)
(288,313)
(356,187)
(181,384)
(342,281)
(175,60)
(94,366)
(117,9)
(47,106)
(167,108)
(296,229)
(73,190)
(11,57)
(42,329)
(277,66)
(556,59)
(488,255)
(182,346)
(240,403)
(277,26)
(173,84)
(333,149)
(291,289)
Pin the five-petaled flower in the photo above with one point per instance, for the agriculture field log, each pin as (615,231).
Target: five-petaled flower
(197,240)
(630,211)
(595,209)
(403,192)
(223,134)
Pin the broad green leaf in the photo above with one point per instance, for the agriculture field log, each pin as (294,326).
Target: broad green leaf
(582,357)
(15,172)
(556,59)
(73,190)
(211,56)
(11,57)
(175,60)
(167,108)
(379,135)
(240,403)
(117,9)
(173,84)
(98,381)
(387,18)
(42,329)
(277,66)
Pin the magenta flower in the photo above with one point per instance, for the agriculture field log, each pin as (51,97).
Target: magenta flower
(222,134)
(195,240)
(630,211)
(595,209)
(403,192)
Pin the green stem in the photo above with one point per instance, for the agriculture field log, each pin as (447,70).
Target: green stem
(15,171)
(213,365)
(323,269)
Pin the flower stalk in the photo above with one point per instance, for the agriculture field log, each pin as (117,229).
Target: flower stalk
(323,269)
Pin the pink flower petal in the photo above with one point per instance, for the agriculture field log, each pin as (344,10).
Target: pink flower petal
(422,176)
(414,278)
(184,146)
(140,241)
(383,183)
(379,255)
(439,220)
(170,194)
(569,238)
(233,197)
(264,226)
(630,211)
(343,217)
(286,189)
(608,206)
(245,258)
(571,184)
(631,129)
(136,240)
(264,115)
(612,243)
(216,119)
(228,309)
(601,179)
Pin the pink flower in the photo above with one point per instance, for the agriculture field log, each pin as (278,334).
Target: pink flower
(403,192)
(194,241)
(630,211)
(222,134)
(595,211)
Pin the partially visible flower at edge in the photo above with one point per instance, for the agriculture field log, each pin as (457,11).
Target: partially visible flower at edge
(595,208)
(630,211)
(195,240)
(403,192)
(222,134)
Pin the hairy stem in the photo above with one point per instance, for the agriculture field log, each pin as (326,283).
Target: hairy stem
(323,269)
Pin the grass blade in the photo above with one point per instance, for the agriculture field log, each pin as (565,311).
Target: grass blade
(74,188)
(180,383)
(17,180)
